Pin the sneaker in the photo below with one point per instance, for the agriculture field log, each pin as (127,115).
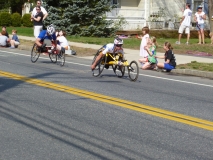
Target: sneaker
(187,43)
(177,42)
(12,47)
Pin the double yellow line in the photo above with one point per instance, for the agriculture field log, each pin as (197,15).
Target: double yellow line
(201,123)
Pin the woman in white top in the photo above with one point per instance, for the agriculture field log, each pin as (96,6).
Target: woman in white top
(199,18)
(62,41)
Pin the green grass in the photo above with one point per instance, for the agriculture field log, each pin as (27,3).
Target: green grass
(24,31)
(197,66)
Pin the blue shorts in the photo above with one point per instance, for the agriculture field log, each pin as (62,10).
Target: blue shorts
(200,26)
(168,67)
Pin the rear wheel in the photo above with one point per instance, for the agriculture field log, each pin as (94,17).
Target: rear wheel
(53,57)
(61,58)
(35,53)
(100,64)
(133,70)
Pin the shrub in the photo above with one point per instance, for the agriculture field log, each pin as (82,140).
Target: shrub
(26,20)
(5,19)
(16,20)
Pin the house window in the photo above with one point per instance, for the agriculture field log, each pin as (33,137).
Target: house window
(114,1)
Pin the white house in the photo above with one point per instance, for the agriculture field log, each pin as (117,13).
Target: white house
(155,13)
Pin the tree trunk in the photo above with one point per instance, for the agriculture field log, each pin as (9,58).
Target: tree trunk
(210,3)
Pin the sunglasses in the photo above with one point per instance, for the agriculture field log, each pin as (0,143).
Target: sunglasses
(118,45)
(38,3)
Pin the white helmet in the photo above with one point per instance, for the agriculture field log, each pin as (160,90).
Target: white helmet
(50,29)
(118,41)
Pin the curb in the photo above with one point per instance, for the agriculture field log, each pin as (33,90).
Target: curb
(193,73)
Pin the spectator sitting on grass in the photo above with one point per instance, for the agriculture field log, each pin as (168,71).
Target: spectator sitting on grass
(4,29)
(3,39)
(151,61)
(14,41)
(170,61)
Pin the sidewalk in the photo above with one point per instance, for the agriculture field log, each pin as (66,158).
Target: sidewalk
(131,55)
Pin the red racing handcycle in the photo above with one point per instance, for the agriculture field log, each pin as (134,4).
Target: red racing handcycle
(55,55)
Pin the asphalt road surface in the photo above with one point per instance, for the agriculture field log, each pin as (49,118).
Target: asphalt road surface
(48,112)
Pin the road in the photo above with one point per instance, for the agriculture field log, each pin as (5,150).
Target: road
(52,112)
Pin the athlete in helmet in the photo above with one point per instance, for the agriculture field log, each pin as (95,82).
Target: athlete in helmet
(110,48)
(46,34)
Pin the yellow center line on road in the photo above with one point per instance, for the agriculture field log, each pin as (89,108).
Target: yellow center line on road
(193,121)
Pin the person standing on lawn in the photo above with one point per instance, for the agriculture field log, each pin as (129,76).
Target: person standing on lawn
(37,13)
(37,20)
(199,18)
(144,40)
(185,24)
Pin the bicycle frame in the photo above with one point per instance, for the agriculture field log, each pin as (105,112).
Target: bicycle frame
(116,59)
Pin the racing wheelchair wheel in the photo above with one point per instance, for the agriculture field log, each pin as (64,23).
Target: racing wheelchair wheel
(133,70)
(119,70)
(61,58)
(35,53)
(53,57)
(100,64)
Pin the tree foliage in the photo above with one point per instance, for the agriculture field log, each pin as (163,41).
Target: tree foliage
(80,17)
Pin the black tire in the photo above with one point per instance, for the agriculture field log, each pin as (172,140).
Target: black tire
(133,70)
(61,58)
(53,57)
(100,64)
(119,70)
(35,53)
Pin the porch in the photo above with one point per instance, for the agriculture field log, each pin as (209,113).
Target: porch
(135,18)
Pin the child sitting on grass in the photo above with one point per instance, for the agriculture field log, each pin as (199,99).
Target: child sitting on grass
(14,41)
(150,61)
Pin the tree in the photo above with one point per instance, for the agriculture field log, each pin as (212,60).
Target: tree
(81,17)
(16,5)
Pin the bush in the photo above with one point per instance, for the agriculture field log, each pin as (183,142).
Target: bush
(5,19)
(26,20)
(16,20)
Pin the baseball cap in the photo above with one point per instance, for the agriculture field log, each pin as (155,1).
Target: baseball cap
(199,7)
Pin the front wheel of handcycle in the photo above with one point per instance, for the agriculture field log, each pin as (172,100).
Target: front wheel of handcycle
(61,58)
(35,53)
(119,70)
(53,57)
(100,64)
(133,70)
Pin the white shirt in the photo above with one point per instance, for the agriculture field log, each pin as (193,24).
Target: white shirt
(143,52)
(42,10)
(188,15)
(62,41)
(109,48)
(200,20)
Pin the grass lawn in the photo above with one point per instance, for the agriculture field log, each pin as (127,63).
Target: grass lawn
(197,66)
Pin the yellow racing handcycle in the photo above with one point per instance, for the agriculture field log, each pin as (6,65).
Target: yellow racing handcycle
(118,63)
